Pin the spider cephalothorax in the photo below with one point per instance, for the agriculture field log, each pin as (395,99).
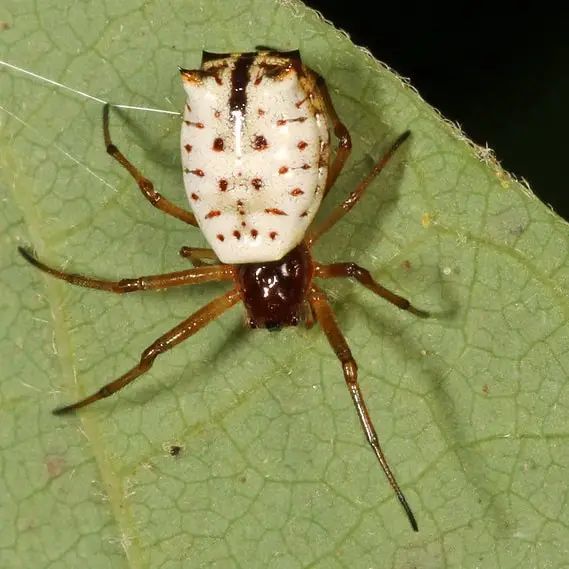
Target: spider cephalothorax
(274,293)
(256,157)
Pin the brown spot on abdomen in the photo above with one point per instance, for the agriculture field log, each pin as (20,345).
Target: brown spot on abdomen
(260,142)
(282,122)
(196,124)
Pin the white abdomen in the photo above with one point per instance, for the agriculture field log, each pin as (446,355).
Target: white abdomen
(254,175)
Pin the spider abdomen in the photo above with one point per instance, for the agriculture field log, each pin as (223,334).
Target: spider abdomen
(255,152)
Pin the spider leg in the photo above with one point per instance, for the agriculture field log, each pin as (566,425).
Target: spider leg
(154,282)
(363,276)
(145,185)
(337,213)
(309,316)
(196,255)
(184,330)
(327,320)
(344,140)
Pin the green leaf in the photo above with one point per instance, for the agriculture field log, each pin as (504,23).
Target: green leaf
(471,406)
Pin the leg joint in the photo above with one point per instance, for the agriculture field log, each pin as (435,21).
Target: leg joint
(131,285)
(105,391)
(151,353)
(356,271)
(148,188)
(345,140)
(350,370)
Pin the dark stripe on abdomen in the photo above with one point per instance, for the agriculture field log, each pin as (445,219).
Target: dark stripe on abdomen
(239,81)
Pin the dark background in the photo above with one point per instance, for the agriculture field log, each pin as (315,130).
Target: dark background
(502,73)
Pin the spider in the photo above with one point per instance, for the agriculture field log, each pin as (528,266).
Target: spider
(261,108)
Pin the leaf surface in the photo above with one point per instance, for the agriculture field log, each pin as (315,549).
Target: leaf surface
(471,406)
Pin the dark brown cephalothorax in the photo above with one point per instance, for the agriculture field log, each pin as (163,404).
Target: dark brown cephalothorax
(276,293)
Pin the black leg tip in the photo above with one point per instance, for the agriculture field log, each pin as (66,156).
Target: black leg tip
(419,313)
(402,138)
(29,256)
(410,515)
(62,411)
(26,254)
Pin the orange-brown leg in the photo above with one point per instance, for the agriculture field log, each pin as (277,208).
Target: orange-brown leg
(344,140)
(315,233)
(309,317)
(166,342)
(196,255)
(145,185)
(154,282)
(328,322)
(339,270)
